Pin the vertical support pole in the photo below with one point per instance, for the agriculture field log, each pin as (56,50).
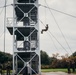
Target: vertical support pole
(4,24)
(13,38)
(39,42)
(4,29)
(16,65)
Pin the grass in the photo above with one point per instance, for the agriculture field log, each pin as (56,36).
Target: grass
(4,71)
(54,70)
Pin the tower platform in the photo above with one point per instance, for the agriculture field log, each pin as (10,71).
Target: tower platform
(20,32)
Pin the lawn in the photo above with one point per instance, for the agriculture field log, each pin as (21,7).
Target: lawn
(53,70)
(56,70)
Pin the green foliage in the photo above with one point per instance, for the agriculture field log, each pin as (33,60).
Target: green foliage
(45,66)
(51,62)
(46,61)
(54,70)
(59,64)
(5,57)
(44,58)
(74,54)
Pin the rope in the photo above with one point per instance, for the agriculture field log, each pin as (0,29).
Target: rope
(59,27)
(54,37)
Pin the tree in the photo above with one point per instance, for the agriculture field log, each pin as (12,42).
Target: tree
(44,58)
(74,54)
(5,57)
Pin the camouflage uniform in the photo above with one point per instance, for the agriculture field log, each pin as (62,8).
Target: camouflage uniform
(0,69)
(8,68)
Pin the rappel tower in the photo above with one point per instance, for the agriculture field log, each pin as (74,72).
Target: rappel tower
(26,42)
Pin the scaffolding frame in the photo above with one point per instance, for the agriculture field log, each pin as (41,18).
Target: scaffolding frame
(34,54)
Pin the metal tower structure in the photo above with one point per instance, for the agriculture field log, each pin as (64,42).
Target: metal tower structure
(25,31)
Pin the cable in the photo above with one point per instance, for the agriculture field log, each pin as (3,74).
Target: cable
(51,38)
(48,33)
(45,14)
(1,34)
(0,14)
(59,27)
(6,6)
(57,11)
(1,11)
(53,42)
(54,37)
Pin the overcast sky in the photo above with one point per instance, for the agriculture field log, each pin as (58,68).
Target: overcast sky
(48,43)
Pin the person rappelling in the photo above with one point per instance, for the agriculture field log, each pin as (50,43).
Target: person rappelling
(46,28)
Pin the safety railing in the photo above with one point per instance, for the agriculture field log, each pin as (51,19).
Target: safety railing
(9,21)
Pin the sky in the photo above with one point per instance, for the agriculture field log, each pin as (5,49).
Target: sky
(48,43)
